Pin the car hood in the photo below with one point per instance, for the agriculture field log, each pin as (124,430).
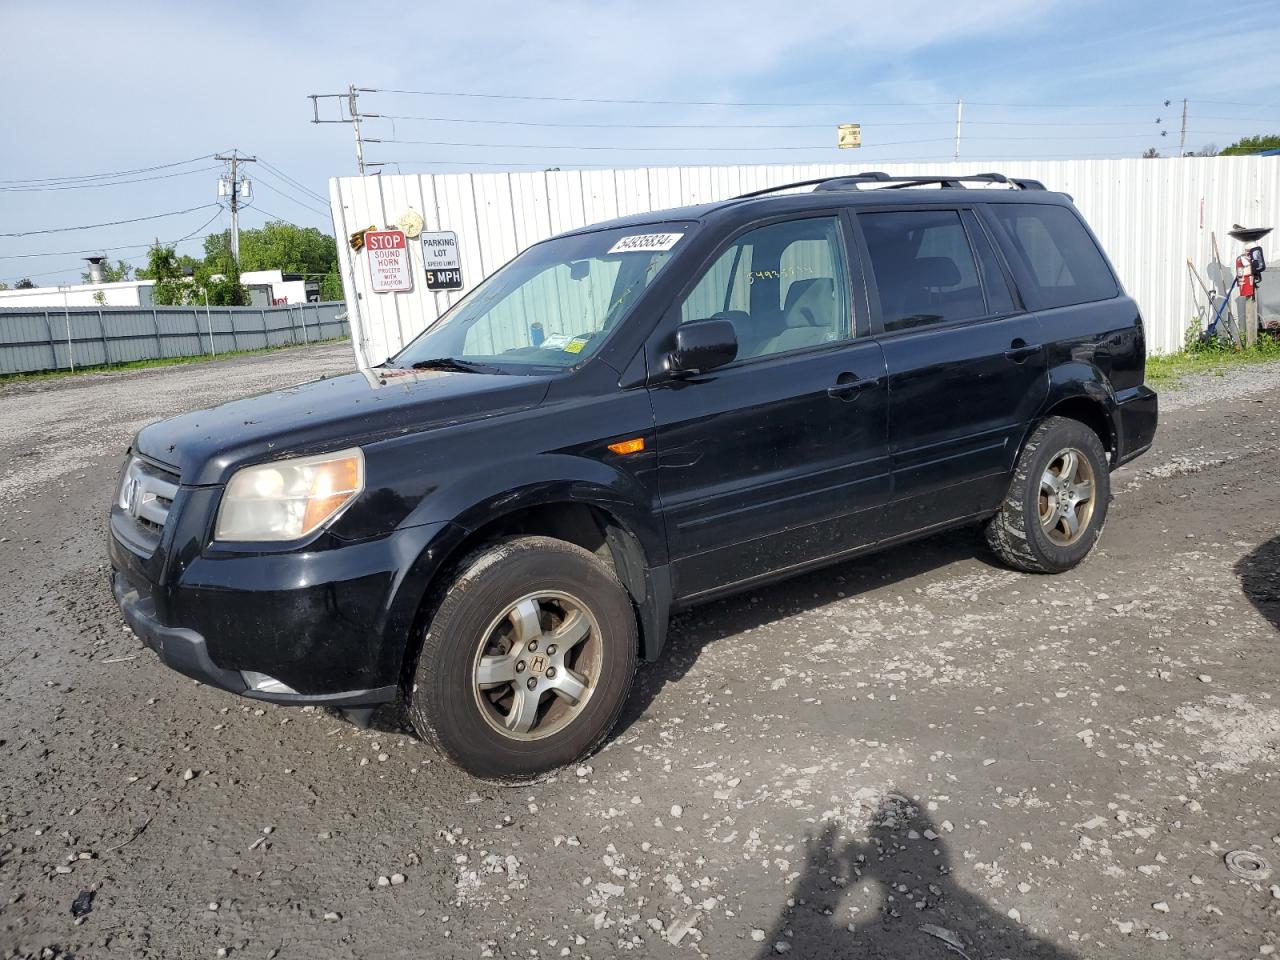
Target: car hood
(206,446)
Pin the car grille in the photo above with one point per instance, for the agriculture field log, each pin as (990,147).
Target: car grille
(146,494)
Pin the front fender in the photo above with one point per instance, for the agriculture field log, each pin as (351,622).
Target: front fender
(477,499)
(473,499)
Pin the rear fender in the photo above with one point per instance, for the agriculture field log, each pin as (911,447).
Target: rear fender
(1075,382)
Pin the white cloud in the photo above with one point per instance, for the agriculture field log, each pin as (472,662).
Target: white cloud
(100,88)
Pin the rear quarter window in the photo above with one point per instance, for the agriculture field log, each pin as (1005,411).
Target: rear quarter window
(1059,257)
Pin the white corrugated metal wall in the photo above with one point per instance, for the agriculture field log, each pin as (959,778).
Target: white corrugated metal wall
(1151,215)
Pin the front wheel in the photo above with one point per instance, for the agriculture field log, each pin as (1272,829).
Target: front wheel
(1057,500)
(527,660)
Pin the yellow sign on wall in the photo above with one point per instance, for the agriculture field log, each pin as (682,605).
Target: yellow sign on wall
(849,135)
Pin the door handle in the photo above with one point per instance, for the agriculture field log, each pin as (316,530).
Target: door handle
(1020,350)
(849,385)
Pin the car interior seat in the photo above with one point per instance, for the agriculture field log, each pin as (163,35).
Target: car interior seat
(808,317)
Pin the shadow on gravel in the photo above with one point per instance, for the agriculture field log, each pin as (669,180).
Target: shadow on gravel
(830,917)
(702,626)
(1259,574)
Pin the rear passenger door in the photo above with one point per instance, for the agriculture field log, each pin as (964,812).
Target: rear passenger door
(779,458)
(965,361)
(1067,281)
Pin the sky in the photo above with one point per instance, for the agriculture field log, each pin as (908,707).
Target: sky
(159,88)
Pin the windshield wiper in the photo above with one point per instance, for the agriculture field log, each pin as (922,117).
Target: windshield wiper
(454,364)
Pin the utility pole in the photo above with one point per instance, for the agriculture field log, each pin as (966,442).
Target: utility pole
(959,117)
(1182,137)
(353,116)
(237,188)
(355,123)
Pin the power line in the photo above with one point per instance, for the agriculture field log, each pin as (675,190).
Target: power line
(136,246)
(300,203)
(740,103)
(272,216)
(688,103)
(827,126)
(201,227)
(105,183)
(110,223)
(563,146)
(530,167)
(288,179)
(638,126)
(68,253)
(768,126)
(551,168)
(118,173)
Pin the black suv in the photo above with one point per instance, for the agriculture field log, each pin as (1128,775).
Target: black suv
(628,419)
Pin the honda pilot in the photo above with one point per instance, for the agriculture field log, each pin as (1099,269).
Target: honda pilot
(628,419)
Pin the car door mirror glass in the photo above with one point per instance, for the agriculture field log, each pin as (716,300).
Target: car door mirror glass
(703,345)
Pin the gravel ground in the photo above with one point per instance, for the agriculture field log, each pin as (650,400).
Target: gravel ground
(919,754)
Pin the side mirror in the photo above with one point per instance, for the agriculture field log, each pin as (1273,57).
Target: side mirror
(703,345)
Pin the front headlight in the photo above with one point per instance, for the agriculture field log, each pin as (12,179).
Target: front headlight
(289,499)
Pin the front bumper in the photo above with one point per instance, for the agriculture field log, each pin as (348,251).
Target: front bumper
(327,624)
(186,651)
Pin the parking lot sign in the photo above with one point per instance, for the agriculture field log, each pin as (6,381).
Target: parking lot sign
(441,258)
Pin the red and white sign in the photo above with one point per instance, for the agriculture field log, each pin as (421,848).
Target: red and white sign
(388,261)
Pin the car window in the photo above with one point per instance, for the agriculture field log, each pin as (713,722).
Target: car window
(723,288)
(523,318)
(784,287)
(1064,262)
(924,268)
(552,306)
(994,282)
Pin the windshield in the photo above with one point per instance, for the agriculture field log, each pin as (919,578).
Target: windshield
(552,306)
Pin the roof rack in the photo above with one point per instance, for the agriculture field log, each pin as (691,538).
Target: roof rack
(857,180)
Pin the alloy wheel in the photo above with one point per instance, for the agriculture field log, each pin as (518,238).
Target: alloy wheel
(1067,496)
(537,665)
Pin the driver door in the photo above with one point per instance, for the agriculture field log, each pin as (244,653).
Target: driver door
(780,458)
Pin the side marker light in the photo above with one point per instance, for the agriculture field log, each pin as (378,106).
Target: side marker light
(634,445)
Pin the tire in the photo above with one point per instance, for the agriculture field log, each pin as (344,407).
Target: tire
(498,621)
(1033,532)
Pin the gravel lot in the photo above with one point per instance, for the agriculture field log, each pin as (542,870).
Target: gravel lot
(869,761)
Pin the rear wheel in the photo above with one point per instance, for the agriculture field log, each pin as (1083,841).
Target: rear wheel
(527,660)
(1057,500)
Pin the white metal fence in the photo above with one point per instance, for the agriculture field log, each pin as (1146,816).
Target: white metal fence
(40,338)
(1151,216)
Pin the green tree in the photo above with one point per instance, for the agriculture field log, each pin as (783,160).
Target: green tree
(285,247)
(1247,145)
(3,285)
(185,265)
(173,287)
(279,246)
(116,274)
(331,286)
(221,282)
(24,284)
